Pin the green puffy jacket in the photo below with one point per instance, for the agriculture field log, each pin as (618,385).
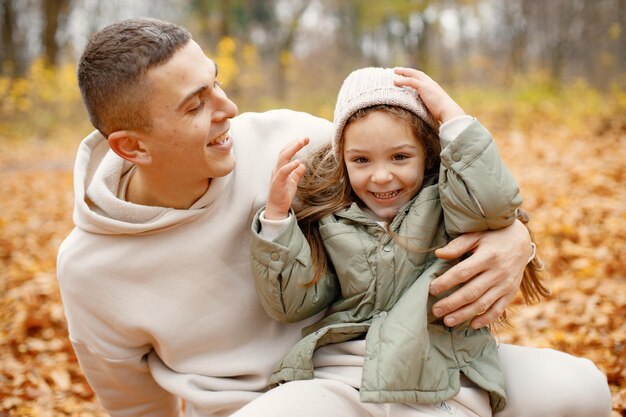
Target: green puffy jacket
(378,286)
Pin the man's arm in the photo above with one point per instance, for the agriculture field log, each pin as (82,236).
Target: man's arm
(125,387)
(492,274)
(114,364)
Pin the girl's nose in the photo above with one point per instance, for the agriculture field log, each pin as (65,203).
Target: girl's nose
(381,176)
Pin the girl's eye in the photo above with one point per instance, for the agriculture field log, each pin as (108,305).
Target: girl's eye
(360,160)
(399,157)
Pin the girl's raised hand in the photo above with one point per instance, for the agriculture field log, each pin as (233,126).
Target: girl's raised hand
(285,179)
(440,104)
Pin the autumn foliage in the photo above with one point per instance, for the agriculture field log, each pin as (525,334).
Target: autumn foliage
(573,178)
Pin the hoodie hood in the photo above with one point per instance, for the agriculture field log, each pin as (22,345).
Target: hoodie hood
(98,172)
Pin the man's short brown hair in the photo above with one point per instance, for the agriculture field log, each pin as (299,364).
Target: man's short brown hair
(112,70)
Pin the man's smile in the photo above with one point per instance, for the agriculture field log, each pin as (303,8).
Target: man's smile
(220,140)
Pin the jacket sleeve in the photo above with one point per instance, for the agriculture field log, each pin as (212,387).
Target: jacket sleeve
(477,190)
(282,271)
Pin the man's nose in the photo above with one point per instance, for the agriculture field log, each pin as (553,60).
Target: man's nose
(225,108)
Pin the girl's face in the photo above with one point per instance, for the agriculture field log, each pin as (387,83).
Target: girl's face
(385,162)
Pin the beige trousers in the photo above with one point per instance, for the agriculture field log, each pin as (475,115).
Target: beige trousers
(540,382)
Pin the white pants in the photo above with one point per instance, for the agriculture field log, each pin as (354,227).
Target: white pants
(539,383)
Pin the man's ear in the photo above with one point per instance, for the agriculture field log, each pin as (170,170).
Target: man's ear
(128,145)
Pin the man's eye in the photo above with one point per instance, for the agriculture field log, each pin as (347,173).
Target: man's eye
(196,109)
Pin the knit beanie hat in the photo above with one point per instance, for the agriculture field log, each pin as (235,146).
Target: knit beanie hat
(369,87)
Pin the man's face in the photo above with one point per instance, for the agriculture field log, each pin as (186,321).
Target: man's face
(189,141)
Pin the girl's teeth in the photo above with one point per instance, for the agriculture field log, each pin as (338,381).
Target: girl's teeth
(386,195)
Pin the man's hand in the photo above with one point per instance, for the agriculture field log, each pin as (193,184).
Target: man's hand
(491,275)
(285,178)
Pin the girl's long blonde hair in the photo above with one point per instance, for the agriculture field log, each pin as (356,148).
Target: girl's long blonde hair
(533,285)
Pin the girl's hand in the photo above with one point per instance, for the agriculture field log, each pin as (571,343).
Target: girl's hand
(490,276)
(440,104)
(285,179)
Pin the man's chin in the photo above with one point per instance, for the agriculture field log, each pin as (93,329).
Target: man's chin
(224,170)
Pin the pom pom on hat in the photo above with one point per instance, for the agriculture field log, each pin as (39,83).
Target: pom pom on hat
(369,87)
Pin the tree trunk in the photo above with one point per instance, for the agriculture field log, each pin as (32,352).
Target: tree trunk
(224,23)
(7,53)
(422,57)
(54,11)
(285,46)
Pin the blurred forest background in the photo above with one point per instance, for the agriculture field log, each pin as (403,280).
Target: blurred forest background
(547,77)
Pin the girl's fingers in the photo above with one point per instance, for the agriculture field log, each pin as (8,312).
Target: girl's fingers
(412,73)
(408,72)
(283,172)
(298,173)
(288,152)
(419,83)
(408,82)
(285,177)
(282,189)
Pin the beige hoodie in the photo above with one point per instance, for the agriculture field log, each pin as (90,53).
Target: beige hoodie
(161,302)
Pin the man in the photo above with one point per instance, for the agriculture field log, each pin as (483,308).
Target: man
(156,279)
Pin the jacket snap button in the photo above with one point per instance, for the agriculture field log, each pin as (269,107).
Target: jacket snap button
(387,248)
(456,157)
(275,256)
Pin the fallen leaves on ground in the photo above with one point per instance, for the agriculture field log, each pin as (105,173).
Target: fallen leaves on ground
(573,186)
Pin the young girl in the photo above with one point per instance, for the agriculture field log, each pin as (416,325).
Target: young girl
(371,209)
